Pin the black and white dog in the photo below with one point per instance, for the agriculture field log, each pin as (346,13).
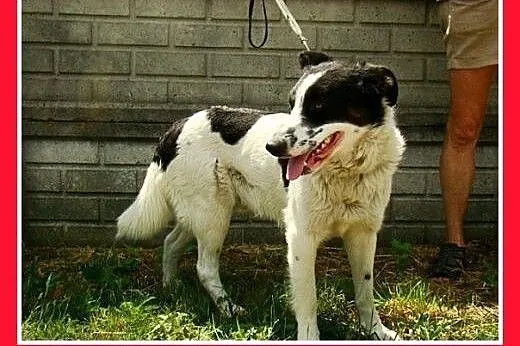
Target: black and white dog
(339,148)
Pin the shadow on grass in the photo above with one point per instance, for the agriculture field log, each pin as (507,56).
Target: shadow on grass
(116,294)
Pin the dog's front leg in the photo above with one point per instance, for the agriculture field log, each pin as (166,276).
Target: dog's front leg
(361,247)
(302,257)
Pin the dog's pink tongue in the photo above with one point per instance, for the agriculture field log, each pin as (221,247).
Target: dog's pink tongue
(295,166)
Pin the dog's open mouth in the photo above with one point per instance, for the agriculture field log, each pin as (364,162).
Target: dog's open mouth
(308,162)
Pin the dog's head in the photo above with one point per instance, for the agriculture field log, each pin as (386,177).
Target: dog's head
(332,105)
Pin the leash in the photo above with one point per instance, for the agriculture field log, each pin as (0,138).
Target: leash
(266,29)
(287,16)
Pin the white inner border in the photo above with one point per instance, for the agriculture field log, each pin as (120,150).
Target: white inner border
(344,342)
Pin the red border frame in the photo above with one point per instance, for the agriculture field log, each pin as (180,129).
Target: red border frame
(8,145)
(510,188)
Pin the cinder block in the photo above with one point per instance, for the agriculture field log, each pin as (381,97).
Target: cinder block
(437,70)
(485,183)
(282,37)
(97,130)
(111,208)
(424,133)
(417,40)
(42,235)
(231,9)
(170,8)
(97,62)
(134,153)
(256,94)
(56,31)
(421,156)
(130,91)
(485,234)
(322,11)
(413,234)
(354,39)
(245,65)
(80,180)
(409,182)
(141,174)
(37,6)
(433,14)
(384,11)
(59,151)
(428,156)
(405,69)
(424,96)
(487,156)
(42,179)
(206,35)
(482,210)
(34,89)
(291,67)
(205,93)
(95,7)
(69,235)
(173,64)
(37,60)
(90,235)
(416,209)
(134,33)
(61,208)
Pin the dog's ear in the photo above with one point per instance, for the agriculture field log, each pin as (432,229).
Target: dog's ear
(386,83)
(311,58)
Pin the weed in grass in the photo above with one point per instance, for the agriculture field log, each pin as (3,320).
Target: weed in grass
(401,252)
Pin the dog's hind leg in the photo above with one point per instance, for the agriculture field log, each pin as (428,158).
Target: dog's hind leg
(174,244)
(360,243)
(211,230)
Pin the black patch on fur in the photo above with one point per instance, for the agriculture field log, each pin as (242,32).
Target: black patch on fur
(311,58)
(367,276)
(283,164)
(311,133)
(233,123)
(167,148)
(352,94)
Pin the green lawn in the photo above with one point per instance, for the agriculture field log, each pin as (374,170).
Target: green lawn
(116,294)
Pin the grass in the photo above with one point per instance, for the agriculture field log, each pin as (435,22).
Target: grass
(116,294)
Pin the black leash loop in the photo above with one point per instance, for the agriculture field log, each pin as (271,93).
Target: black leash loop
(266,29)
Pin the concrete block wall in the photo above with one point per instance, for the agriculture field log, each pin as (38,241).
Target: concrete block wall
(102,80)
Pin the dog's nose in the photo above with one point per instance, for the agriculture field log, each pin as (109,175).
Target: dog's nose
(278,148)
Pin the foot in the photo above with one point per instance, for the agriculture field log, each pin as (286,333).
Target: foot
(449,263)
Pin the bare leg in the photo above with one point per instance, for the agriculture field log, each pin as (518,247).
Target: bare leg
(361,247)
(469,93)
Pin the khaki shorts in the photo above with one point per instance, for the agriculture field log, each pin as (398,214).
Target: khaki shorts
(470,30)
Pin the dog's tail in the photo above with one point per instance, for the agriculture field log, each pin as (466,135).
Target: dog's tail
(145,222)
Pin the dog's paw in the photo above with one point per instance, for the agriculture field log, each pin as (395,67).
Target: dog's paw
(230,309)
(386,334)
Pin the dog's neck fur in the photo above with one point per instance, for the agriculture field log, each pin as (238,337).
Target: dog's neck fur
(377,147)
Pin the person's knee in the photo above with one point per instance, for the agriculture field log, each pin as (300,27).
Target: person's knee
(463,133)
